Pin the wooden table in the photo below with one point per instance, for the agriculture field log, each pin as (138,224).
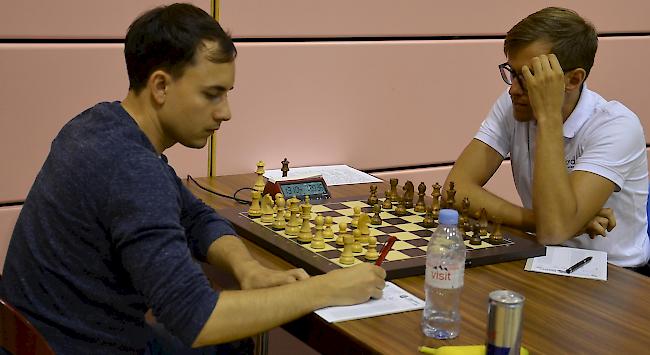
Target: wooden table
(561,314)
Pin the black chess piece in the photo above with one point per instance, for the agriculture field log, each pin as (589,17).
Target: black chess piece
(373,199)
(285,167)
(420,206)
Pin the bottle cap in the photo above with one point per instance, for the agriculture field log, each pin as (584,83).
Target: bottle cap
(448,216)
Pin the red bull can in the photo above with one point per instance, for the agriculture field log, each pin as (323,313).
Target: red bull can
(505,316)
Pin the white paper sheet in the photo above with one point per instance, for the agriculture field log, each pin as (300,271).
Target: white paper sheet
(393,300)
(332,174)
(558,259)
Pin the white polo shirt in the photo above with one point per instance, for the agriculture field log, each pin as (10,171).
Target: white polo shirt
(602,137)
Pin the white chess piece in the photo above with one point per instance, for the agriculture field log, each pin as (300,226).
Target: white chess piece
(318,242)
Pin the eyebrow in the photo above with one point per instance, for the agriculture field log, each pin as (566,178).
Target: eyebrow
(219,88)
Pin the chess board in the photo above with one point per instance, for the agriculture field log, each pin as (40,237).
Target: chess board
(406,258)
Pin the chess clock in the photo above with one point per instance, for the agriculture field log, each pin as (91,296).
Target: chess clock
(314,187)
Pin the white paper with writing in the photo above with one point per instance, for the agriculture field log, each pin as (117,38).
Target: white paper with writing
(558,259)
(332,174)
(393,300)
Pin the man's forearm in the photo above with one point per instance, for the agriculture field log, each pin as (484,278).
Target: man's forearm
(554,201)
(496,207)
(230,253)
(240,314)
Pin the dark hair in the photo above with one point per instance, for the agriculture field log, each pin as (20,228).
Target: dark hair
(167,38)
(573,39)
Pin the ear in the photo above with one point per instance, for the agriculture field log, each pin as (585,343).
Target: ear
(574,79)
(159,80)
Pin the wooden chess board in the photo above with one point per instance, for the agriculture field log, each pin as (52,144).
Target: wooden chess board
(407,257)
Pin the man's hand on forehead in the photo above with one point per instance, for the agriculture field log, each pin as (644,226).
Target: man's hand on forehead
(545,87)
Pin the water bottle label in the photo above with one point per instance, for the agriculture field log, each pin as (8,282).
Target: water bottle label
(445,276)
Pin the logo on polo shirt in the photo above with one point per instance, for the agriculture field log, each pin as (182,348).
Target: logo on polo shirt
(571,162)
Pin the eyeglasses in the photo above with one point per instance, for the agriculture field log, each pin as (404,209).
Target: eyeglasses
(509,75)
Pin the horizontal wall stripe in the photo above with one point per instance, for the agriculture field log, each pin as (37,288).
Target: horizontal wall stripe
(402,38)
(61,40)
(297,39)
(11,204)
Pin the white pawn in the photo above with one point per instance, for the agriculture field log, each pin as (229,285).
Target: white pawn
(356,246)
(293,226)
(279,223)
(290,202)
(364,220)
(318,242)
(371,252)
(275,201)
(267,209)
(346,256)
(328,233)
(305,235)
(355,217)
(255,210)
(343,229)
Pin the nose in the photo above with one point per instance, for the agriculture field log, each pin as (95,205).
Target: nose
(516,88)
(222,111)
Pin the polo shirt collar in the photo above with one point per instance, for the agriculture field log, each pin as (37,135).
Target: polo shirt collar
(580,114)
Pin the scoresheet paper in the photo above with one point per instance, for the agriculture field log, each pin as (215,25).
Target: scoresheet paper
(332,174)
(558,259)
(393,300)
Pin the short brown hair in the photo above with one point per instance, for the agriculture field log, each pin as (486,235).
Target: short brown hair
(168,37)
(573,39)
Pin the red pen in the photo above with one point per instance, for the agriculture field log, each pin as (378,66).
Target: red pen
(385,250)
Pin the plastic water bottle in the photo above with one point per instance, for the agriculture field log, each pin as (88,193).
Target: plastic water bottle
(443,281)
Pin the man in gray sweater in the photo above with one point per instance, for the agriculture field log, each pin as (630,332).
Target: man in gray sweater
(108,230)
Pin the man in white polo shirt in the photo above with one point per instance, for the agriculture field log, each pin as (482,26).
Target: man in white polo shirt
(578,161)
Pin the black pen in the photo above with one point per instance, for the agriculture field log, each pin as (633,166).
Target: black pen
(578,265)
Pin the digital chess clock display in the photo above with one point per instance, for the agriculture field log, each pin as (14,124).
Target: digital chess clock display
(312,188)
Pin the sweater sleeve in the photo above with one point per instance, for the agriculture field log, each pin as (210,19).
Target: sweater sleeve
(202,224)
(144,217)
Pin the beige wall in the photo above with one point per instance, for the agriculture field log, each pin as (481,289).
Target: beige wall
(55,61)
(372,18)
(74,19)
(46,83)
(384,104)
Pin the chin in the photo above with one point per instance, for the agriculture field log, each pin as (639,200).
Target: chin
(522,116)
(196,144)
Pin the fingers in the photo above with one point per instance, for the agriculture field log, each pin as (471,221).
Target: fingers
(597,226)
(298,274)
(271,278)
(541,65)
(525,71)
(377,293)
(379,271)
(555,63)
(378,290)
(611,218)
(289,276)
(380,283)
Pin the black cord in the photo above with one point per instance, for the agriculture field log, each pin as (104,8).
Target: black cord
(233,197)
